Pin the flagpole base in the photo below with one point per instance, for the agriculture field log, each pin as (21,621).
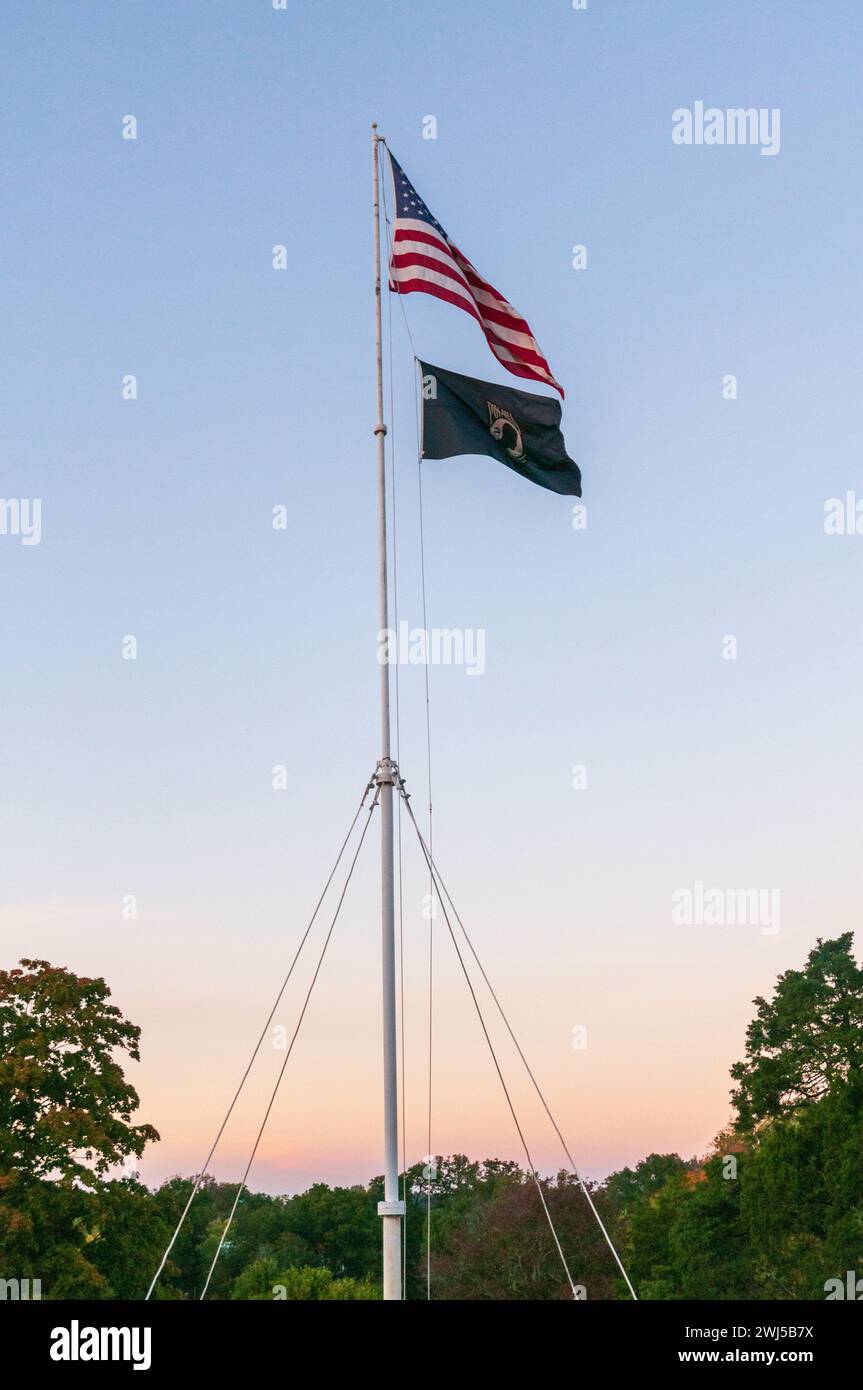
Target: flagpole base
(392,1242)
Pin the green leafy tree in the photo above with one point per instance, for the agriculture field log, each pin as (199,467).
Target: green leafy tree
(186,1269)
(804,1040)
(649,1255)
(79,1243)
(688,1240)
(65,1106)
(65,1119)
(630,1185)
(44,1229)
(260,1230)
(711,1251)
(788,1213)
(340,1226)
(263,1280)
(445,1178)
(124,1237)
(802,1197)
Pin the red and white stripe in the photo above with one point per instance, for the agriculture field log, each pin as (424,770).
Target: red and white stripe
(422,260)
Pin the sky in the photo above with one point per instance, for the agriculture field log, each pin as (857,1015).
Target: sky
(695,648)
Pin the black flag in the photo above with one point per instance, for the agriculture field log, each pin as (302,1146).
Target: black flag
(464,416)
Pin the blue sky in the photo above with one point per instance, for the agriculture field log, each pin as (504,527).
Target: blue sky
(256,647)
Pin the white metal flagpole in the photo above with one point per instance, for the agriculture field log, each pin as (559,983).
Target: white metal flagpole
(391,1209)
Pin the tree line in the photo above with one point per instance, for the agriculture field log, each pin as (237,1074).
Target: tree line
(773,1210)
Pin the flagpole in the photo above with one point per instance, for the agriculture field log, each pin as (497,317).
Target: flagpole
(391,1209)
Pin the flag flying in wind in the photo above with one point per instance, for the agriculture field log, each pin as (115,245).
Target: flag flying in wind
(464,416)
(423,258)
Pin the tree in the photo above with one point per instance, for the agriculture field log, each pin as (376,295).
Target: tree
(688,1240)
(805,1040)
(495,1244)
(710,1246)
(445,1178)
(629,1185)
(63,1096)
(802,1197)
(340,1226)
(263,1280)
(78,1243)
(124,1237)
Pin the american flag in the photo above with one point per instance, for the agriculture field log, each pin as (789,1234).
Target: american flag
(424,259)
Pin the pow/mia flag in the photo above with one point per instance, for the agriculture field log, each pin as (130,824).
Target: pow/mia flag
(464,416)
